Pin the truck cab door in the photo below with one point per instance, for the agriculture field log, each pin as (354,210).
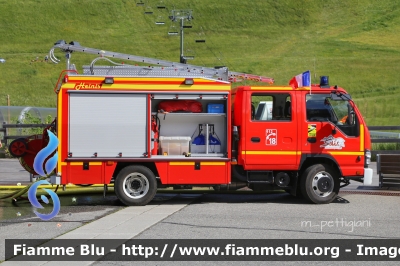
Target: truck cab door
(333,130)
(270,131)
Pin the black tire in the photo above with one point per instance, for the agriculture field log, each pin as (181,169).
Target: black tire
(18,148)
(319,184)
(135,185)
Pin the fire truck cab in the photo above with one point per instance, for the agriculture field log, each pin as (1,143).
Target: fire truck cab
(316,140)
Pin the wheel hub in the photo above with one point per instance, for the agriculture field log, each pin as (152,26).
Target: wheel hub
(136,185)
(323,184)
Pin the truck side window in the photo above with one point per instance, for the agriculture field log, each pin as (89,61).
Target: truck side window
(317,110)
(270,107)
(321,108)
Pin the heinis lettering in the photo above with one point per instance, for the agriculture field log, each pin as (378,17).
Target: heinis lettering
(86,86)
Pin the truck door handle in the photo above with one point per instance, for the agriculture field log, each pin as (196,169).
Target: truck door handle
(255,139)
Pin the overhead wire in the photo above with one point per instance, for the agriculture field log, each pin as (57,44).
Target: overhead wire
(221,58)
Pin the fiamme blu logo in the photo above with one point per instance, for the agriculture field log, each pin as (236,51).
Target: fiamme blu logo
(44,166)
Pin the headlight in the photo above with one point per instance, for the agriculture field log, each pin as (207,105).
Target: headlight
(367,157)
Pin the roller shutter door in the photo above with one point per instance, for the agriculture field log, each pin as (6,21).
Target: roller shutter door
(108,124)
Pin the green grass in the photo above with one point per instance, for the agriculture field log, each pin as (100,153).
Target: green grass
(356,43)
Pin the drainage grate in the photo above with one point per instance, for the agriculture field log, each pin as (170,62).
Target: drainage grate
(379,193)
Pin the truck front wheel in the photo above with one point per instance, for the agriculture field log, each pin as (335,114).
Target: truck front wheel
(319,184)
(135,185)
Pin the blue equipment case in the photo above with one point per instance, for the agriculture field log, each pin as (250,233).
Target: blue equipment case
(215,108)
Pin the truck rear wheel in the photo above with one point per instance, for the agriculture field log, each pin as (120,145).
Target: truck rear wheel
(135,185)
(319,184)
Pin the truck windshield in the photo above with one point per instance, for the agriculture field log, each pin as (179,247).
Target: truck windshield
(320,107)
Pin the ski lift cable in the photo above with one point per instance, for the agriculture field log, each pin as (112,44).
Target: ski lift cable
(202,31)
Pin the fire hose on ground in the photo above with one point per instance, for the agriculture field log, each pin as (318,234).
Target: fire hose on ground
(18,194)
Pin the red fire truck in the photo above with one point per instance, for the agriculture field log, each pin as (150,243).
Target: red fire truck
(172,124)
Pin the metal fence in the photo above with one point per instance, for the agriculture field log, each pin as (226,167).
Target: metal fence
(6,137)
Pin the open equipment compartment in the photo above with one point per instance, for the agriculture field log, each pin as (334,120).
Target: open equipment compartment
(184,125)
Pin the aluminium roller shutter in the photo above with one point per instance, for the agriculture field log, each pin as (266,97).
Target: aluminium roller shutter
(108,124)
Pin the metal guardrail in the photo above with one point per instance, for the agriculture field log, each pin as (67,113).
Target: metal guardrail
(385,139)
(384,128)
(6,126)
(384,134)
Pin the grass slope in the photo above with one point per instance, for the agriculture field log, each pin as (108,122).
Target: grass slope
(354,42)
